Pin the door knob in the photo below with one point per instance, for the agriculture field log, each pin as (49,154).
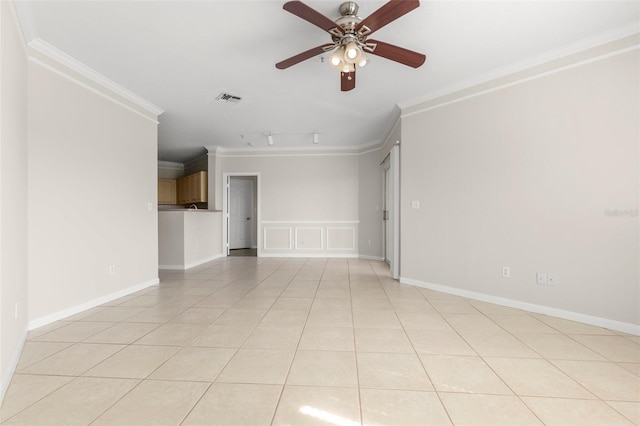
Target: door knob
(248,218)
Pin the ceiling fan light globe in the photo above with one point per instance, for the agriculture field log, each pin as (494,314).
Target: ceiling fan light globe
(336,59)
(352,51)
(363,60)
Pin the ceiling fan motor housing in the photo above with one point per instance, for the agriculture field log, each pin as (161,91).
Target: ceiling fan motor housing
(348,20)
(349,8)
(347,24)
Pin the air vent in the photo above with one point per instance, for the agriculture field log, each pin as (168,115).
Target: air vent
(227,98)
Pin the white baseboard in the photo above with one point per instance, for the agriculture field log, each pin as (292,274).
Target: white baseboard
(367,257)
(13,364)
(530,307)
(190,265)
(314,255)
(320,255)
(56,316)
(172,267)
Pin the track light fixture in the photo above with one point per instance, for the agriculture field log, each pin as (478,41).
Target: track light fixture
(270,141)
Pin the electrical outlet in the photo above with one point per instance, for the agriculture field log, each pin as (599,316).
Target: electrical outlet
(541,278)
(415,204)
(506,271)
(369,243)
(552,278)
(112,270)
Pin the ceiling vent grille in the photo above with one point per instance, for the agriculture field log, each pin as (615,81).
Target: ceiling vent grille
(227,98)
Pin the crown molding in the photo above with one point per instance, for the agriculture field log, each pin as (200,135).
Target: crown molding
(39,48)
(291,151)
(394,121)
(494,77)
(171,165)
(24,13)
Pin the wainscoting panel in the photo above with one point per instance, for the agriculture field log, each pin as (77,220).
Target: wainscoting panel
(277,238)
(309,238)
(341,238)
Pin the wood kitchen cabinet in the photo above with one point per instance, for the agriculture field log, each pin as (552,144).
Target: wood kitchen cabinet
(167,193)
(192,188)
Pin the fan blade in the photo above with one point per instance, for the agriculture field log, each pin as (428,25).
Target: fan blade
(302,56)
(398,54)
(347,81)
(389,12)
(305,12)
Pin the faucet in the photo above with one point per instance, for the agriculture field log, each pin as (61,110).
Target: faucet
(193,207)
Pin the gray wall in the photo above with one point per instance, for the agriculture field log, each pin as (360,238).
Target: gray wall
(528,176)
(370,205)
(92,195)
(13,194)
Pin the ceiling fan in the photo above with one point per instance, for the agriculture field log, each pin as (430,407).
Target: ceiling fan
(349,35)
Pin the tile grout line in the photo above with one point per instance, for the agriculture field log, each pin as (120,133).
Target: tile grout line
(295,352)
(442,404)
(355,347)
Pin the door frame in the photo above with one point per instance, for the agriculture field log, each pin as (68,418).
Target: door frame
(387,205)
(392,163)
(225,210)
(248,223)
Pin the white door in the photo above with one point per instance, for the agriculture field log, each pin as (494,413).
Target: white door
(240,213)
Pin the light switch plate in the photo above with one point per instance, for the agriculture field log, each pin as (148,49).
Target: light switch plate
(415,204)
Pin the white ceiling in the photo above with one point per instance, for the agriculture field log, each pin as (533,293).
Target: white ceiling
(180,55)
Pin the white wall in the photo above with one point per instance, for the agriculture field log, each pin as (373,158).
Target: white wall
(525,176)
(171,240)
(13,194)
(188,238)
(92,194)
(314,187)
(203,239)
(309,202)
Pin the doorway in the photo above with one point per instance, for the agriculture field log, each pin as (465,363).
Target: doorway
(391,230)
(241,208)
(388,228)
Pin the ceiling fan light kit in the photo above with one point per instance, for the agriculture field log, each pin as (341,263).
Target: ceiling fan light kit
(349,38)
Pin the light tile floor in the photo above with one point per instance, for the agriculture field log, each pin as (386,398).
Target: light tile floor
(258,341)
